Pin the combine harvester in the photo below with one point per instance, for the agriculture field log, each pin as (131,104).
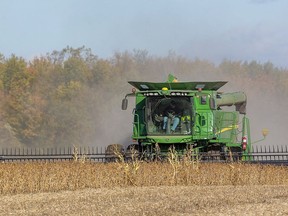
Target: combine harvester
(188,115)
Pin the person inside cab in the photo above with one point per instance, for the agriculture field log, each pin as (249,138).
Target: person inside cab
(170,116)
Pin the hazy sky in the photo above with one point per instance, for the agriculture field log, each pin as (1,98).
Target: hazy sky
(207,29)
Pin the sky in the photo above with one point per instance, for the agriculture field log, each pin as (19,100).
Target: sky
(214,30)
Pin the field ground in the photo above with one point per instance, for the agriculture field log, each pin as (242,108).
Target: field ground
(163,200)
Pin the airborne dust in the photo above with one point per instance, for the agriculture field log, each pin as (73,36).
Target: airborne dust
(266,103)
(105,123)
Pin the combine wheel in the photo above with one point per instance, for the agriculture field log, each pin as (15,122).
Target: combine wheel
(232,154)
(235,154)
(114,153)
(132,152)
(213,154)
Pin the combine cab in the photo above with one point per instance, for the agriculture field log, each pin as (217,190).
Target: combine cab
(188,115)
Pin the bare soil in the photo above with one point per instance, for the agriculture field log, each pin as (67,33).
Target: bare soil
(168,200)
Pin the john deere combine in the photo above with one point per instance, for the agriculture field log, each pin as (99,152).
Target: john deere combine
(188,114)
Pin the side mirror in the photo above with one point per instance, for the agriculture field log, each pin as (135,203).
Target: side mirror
(124,104)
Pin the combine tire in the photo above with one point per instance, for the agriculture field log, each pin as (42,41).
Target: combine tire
(114,153)
(132,152)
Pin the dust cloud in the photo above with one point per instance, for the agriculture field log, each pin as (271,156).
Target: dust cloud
(265,107)
(108,124)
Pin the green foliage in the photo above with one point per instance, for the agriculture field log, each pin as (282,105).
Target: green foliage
(101,72)
(68,91)
(13,73)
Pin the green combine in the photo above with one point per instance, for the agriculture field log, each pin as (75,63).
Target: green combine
(189,115)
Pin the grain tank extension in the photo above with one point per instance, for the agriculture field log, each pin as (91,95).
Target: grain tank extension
(188,114)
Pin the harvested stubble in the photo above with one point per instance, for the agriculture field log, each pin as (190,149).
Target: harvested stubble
(160,201)
(37,177)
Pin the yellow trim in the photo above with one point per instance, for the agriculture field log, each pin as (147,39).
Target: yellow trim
(227,128)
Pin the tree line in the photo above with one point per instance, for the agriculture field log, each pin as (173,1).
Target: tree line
(58,99)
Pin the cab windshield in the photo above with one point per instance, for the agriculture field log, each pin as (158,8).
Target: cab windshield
(169,115)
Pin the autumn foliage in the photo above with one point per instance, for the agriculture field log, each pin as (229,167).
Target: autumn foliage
(59,98)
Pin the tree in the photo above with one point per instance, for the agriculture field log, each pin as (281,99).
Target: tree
(14,70)
(20,106)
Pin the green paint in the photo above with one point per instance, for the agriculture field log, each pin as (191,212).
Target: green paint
(200,111)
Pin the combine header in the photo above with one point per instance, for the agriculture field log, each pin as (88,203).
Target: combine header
(188,115)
